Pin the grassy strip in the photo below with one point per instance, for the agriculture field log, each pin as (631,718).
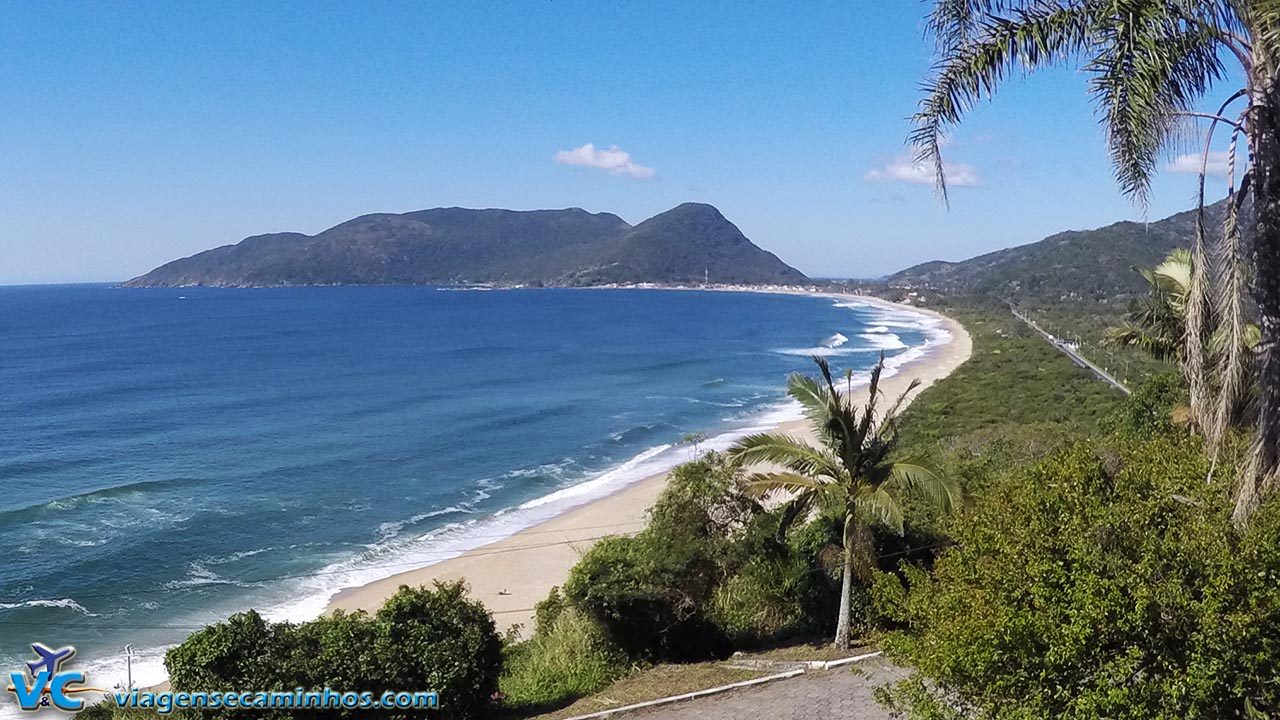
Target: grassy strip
(656,682)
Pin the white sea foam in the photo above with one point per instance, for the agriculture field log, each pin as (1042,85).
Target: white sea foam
(199,575)
(883,341)
(933,328)
(307,597)
(835,341)
(67,603)
(878,336)
(388,530)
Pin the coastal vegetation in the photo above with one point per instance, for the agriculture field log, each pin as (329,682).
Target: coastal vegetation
(1105,581)
(717,571)
(1094,572)
(434,638)
(850,472)
(1090,561)
(1151,64)
(713,571)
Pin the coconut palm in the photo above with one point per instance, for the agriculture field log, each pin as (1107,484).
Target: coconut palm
(848,471)
(1150,64)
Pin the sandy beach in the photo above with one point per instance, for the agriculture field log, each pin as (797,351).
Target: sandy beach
(513,574)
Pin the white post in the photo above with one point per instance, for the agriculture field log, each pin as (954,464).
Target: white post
(128,667)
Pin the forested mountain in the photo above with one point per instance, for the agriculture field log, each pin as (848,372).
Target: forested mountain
(457,245)
(1085,264)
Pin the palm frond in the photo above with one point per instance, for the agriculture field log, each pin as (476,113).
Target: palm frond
(888,423)
(869,411)
(1232,286)
(841,417)
(812,396)
(979,49)
(880,505)
(954,23)
(1152,62)
(796,509)
(939,490)
(791,453)
(760,485)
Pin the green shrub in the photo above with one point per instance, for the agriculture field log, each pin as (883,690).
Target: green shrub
(546,611)
(649,595)
(420,640)
(222,657)
(1152,408)
(568,657)
(1106,582)
(651,592)
(443,641)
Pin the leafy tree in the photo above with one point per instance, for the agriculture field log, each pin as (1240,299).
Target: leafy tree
(1105,582)
(220,656)
(849,471)
(432,639)
(439,639)
(650,594)
(1151,62)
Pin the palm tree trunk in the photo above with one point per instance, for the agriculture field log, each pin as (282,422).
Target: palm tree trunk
(846,600)
(1266,189)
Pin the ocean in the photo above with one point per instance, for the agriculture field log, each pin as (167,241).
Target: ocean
(171,456)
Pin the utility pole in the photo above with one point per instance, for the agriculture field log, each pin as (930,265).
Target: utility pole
(128,667)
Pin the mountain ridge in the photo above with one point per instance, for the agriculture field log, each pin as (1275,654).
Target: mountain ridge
(457,245)
(1096,264)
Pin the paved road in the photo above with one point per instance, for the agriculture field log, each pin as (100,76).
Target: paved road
(1076,357)
(816,695)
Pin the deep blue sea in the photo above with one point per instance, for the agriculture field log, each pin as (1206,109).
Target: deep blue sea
(171,456)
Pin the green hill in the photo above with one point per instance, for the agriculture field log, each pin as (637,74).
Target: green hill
(457,245)
(1087,265)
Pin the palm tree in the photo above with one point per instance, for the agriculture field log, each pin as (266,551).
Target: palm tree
(1157,323)
(849,471)
(1151,63)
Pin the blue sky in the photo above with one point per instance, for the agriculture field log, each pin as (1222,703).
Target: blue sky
(136,133)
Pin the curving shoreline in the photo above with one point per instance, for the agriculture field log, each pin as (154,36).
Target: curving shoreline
(512,574)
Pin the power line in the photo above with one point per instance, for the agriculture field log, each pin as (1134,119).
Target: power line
(325,573)
(96,626)
(84,626)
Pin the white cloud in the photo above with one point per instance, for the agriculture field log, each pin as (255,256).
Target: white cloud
(1190,164)
(615,160)
(904,169)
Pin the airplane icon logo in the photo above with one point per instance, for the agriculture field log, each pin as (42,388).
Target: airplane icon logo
(50,660)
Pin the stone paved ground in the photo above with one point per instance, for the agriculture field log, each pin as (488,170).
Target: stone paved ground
(818,694)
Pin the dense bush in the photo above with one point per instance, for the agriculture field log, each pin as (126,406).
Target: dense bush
(711,572)
(1106,582)
(649,595)
(420,640)
(221,656)
(1157,406)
